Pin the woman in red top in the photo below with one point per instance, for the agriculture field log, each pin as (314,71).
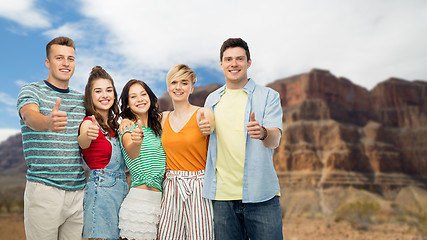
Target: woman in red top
(106,187)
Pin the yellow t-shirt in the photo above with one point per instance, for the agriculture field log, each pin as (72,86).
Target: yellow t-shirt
(231,142)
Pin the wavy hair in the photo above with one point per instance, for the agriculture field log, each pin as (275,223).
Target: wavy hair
(154,116)
(113,113)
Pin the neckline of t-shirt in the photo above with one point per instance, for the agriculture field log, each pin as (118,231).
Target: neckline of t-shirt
(56,88)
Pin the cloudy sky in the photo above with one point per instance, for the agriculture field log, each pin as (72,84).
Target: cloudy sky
(366,41)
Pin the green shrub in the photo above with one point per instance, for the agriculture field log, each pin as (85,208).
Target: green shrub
(359,214)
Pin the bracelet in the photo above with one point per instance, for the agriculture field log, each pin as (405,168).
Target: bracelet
(265,133)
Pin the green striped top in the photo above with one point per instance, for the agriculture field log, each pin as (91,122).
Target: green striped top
(53,158)
(149,167)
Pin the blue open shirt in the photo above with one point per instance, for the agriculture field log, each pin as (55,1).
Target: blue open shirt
(260,182)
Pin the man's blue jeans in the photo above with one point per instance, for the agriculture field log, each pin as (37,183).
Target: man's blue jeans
(235,220)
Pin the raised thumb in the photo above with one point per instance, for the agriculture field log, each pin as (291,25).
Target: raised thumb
(56,107)
(252,117)
(94,119)
(139,124)
(202,115)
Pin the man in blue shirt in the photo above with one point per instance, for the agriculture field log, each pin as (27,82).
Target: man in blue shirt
(240,175)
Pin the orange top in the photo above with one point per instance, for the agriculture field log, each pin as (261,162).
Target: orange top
(187,149)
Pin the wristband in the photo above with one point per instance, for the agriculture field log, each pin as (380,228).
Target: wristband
(265,133)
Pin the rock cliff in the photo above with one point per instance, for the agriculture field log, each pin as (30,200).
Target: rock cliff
(336,133)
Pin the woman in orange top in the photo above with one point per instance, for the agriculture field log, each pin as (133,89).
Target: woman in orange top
(185,214)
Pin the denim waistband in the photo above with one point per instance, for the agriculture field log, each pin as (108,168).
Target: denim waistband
(105,172)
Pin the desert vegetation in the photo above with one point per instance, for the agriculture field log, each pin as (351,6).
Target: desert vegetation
(11,199)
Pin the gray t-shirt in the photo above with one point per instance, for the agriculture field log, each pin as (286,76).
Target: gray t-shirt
(53,158)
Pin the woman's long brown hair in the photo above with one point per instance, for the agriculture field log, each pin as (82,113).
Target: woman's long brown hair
(113,113)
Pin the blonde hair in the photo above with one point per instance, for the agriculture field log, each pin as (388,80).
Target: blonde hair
(181,71)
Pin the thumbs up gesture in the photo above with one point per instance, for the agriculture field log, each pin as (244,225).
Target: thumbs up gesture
(137,134)
(93,129)
(57,120)
(255,131)
(204,124)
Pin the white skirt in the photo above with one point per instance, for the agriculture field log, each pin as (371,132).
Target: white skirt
(140,214)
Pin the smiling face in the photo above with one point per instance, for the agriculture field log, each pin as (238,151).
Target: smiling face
(102,95)
(235,64)
(139,100)
(61,65)
(180,89)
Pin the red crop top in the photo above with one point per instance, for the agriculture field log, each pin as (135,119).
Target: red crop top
(98,154)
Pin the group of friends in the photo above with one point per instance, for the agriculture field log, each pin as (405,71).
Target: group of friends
(195,172)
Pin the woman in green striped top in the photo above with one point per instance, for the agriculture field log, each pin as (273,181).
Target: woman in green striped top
(144,156)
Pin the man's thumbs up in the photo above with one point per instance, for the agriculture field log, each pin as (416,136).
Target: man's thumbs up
(57,120)
(56,107)
(253,127)
(253,117)
(93,130)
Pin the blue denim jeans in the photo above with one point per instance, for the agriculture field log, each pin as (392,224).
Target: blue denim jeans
(235,220)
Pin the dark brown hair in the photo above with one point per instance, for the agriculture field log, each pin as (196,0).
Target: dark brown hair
(65,41)
(154,116)
(113,113)
(232,43)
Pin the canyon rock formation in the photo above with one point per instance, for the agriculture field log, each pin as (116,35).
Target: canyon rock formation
(336,133)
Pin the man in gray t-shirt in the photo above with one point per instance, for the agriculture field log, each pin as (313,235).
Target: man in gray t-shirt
(50,116)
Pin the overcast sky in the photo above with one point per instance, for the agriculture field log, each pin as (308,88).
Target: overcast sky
(366,41)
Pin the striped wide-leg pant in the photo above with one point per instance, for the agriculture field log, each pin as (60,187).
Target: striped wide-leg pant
(184,213)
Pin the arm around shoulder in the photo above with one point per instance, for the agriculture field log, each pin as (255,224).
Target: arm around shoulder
(125,124)
(164,115)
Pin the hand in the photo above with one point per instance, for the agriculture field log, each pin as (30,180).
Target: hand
(204,124)
(137,135)
(57,120)
(167,170)
(125,124)
(93,130)
(254,129)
